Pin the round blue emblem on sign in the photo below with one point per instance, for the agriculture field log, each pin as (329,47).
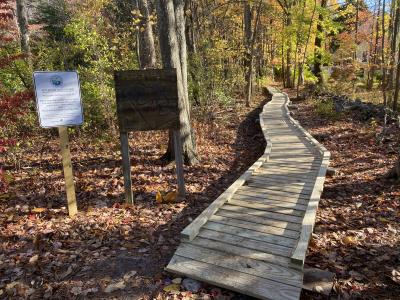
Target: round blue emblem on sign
(56,81)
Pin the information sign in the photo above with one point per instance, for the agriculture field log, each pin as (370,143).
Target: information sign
(58,98)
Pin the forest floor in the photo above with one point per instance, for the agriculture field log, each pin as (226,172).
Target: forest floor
(111,250)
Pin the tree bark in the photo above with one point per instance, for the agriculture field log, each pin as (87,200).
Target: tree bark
(181,35)
(23,24)
(171,58)
(249,69)
(318,45)
(247,17)
(383,55)
(147,51)
(288,80)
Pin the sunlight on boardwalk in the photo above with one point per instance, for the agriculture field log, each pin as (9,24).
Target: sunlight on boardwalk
(253,238)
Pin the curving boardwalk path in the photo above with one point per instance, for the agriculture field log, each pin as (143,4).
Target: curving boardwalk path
(253,238)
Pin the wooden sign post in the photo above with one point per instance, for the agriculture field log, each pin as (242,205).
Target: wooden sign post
(67,166)
(148,100)
(58,101)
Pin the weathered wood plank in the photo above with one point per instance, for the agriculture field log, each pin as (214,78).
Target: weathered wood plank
(272,202)
(304,177)
(255,226)
(147,99)
(277,191)
(241,251)
(251,234)
(259,183)
(261,213)
(245,242)
(259,220)
(280,181)
(241,264)
(236,281)
(300,199)
(266,207)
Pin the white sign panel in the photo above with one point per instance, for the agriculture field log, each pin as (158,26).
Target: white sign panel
(58,98)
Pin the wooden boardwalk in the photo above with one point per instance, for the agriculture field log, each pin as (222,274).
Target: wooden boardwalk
(253,238)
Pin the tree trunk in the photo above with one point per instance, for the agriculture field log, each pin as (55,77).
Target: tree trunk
(383,55)
(147,50)
(301,67)
(375,55)
(171,58)
(181,35)
(394,49)
(249,75)
(318,45)
(23,24)
(247,17)
(289,82)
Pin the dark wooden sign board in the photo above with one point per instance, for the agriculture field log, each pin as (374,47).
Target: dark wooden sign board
(147,100)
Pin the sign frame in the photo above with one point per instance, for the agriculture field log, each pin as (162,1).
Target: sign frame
(151,75)
(55,73)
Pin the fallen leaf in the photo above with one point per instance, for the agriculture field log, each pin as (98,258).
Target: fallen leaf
(34,259)
(349,240)
(172,288)
(159,198)
(395,276)
(38,210)
(115,286)
(171,196)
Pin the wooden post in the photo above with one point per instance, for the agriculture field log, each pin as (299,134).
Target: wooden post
(67,166)
(179,163)
(126,167)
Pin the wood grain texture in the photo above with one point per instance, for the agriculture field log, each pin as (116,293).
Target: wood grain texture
(241,264)
(237,281)
(147,100)
(67,168)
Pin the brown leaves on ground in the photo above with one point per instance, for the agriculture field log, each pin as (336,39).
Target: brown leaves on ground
(110,249)
(357,235)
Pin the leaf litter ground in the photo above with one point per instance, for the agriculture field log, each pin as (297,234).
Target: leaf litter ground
(111,250)
(357,233)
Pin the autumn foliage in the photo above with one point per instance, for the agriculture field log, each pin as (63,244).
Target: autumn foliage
(12,104)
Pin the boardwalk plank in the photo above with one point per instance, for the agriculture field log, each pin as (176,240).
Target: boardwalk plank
(245,242)
(275,202)
(237,281)
(267,207)
(265,214)
(254,226)
(241,251)
(260,220)
(242,264)
(251,234)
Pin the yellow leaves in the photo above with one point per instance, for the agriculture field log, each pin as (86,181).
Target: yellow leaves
(172,288)
(162,197)
(159,198)
(349,240)
(38,210)
(171,196)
